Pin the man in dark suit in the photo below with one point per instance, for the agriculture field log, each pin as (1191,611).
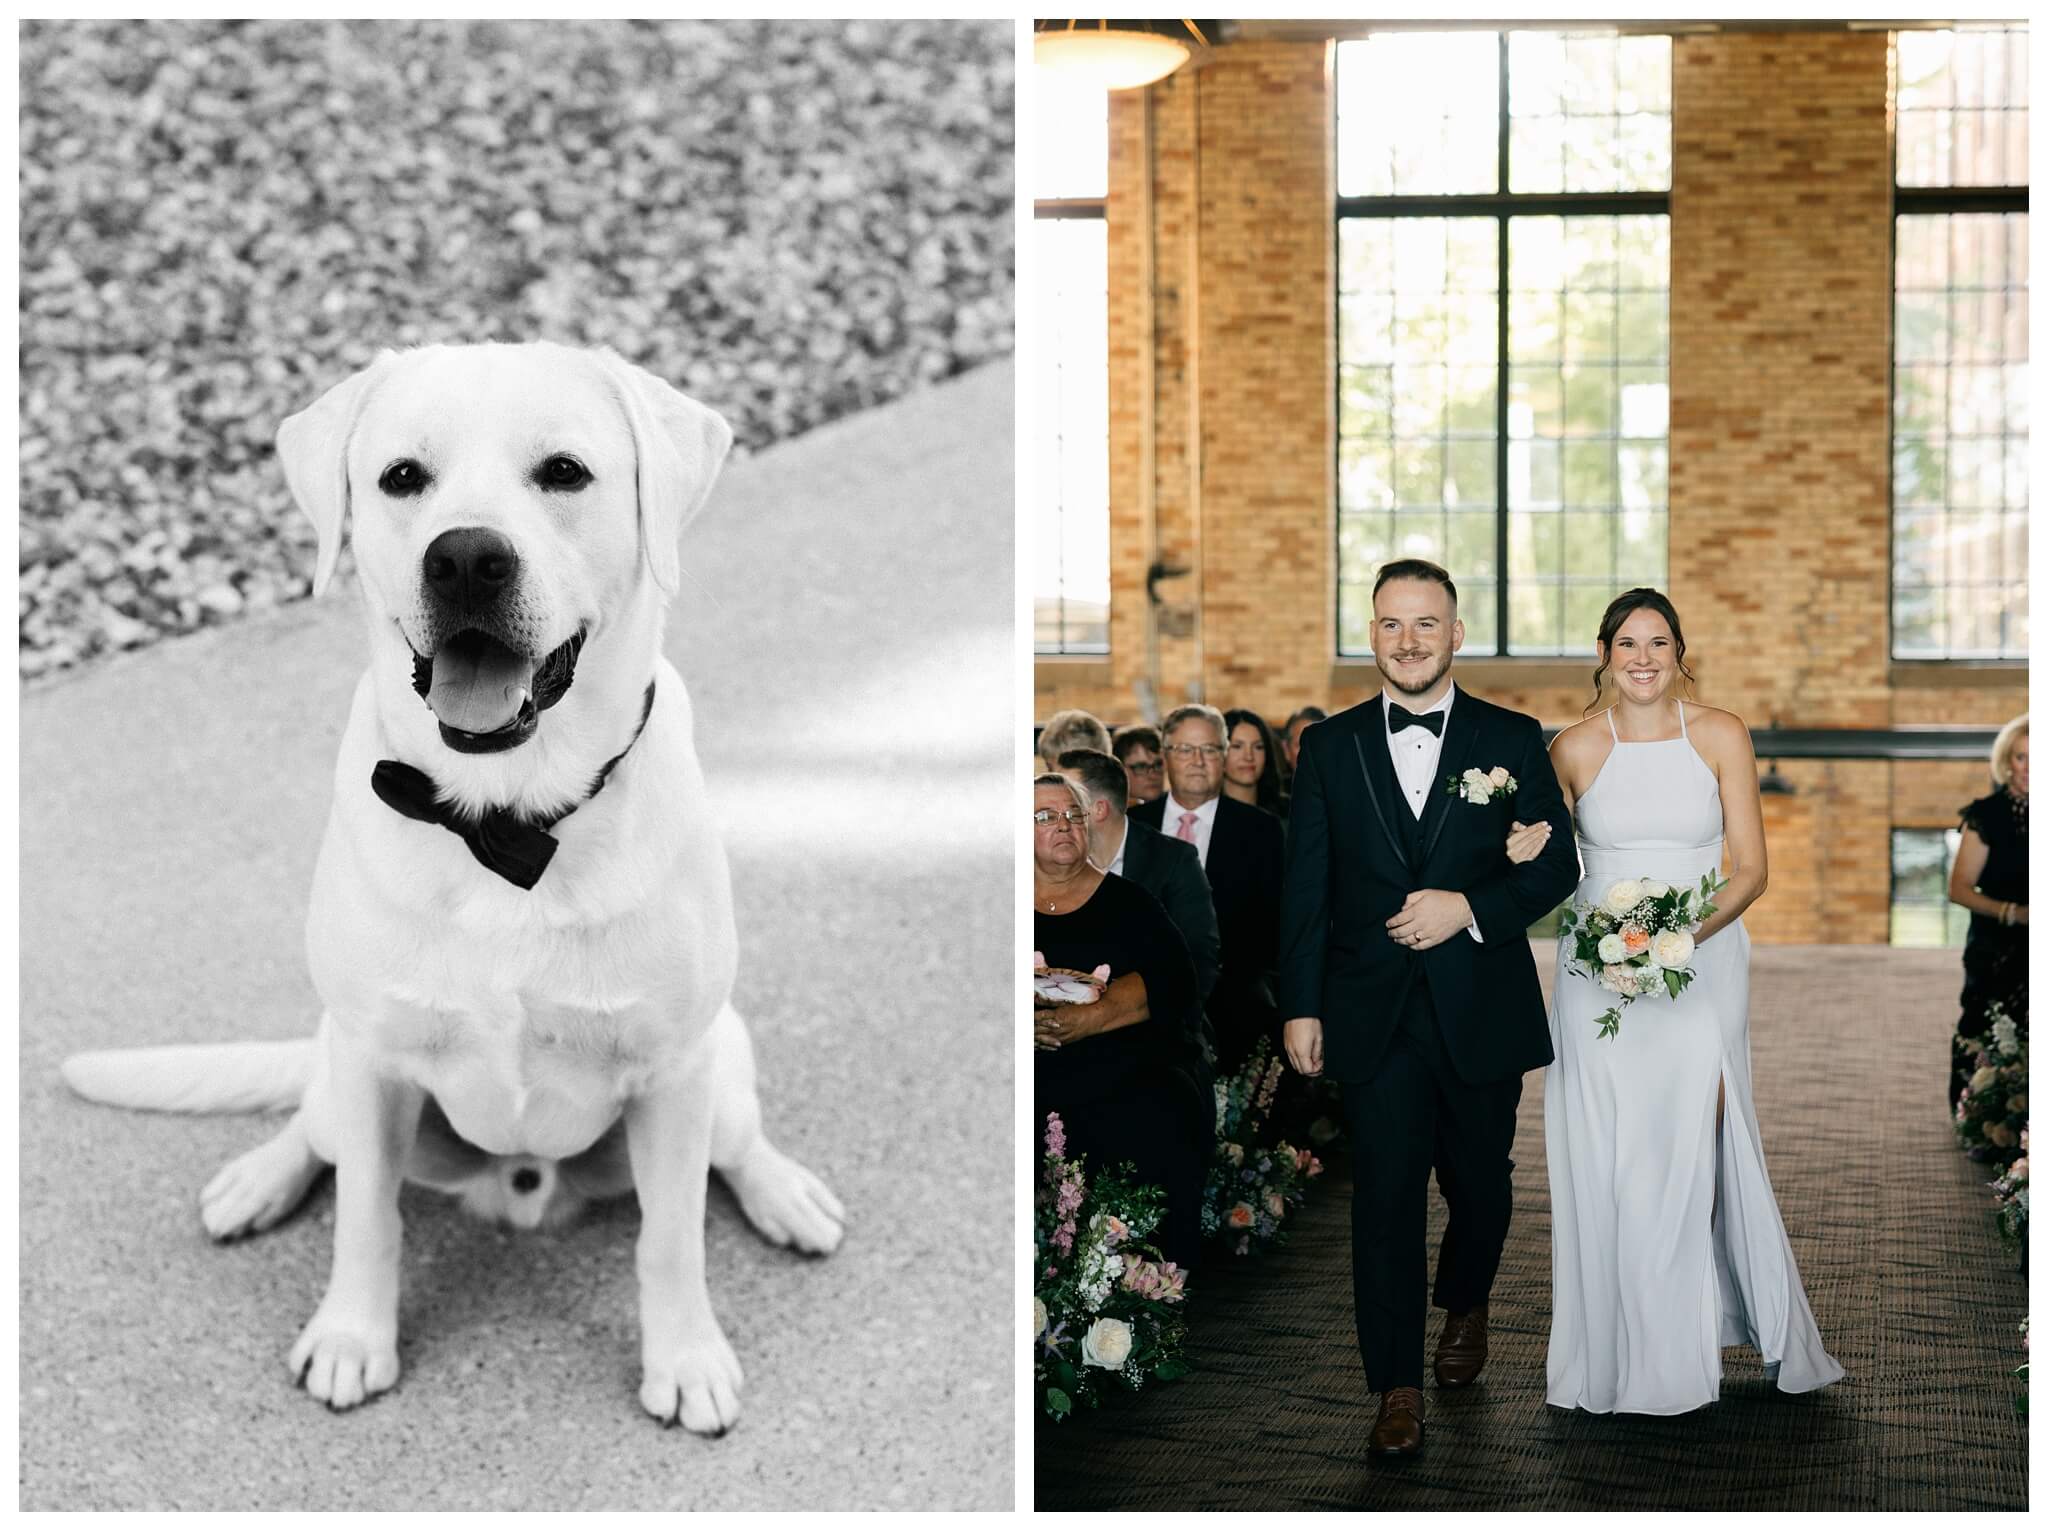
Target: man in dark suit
(1167,869)
(1406,975)
(1243,851)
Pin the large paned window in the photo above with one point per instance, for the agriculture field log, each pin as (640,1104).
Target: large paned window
(1921,912)
(1070,589)
(1959,336)
(1503,379)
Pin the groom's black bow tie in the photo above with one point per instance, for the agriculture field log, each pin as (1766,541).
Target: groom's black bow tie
(1399,717)
(517,849)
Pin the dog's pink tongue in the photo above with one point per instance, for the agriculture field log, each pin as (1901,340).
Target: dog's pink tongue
(479,693)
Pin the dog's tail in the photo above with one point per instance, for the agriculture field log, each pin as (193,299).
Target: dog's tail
(204,1080)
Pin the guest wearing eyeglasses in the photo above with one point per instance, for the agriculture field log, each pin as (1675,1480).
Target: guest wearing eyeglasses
(1243,851)
(1138,749)
(1166,868)
(1125,1073)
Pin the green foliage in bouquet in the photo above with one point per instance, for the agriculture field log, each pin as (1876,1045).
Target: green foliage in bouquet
(1105,1305)
(1991,1116)
(1256,1179)
(1637,939)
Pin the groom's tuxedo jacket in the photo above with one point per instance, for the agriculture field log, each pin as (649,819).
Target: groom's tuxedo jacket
(1355,851)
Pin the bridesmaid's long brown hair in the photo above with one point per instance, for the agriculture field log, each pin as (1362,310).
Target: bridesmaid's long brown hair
(1619,610)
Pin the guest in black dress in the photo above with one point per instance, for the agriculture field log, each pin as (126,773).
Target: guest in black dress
(1990,880)
(1125,1073)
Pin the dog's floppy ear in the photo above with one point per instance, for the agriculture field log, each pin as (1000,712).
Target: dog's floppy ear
(313,448)
(680,445)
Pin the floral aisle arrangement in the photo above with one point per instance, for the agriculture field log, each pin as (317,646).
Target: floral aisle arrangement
(1105,1307)
(1637,939)
(1992,1112)
(2020,1402)
(1253,1183)
(2010,1189)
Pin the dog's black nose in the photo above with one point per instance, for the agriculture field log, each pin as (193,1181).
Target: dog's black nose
(470,566)
(525,1180)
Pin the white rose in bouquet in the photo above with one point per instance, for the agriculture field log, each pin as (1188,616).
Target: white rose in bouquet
(1618,980)
(1039,1317)
(1623,896)
(1613,948)
(1653,888)
(1107,1344)
(1671,948)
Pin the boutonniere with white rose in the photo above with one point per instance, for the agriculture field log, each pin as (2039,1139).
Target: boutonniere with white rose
(1477,786)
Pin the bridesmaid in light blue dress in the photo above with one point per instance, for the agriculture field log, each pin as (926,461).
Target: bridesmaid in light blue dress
(1666,1240)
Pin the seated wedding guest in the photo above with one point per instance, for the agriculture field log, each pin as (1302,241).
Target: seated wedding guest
(1990,880)
(1124,1072)
(1070,729)
(1290,737)
(1137,747)
(1251,762)
(1167,869)
(1242,851)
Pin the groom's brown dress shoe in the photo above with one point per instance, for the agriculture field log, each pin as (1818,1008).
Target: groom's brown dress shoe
(1398,1430)
(1461,1351)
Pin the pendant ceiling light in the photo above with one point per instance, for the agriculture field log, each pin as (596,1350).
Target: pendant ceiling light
(1114,55)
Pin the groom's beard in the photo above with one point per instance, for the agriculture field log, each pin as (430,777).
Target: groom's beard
(1414,687)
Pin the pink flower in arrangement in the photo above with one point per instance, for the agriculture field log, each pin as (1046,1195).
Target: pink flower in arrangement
(1163,1282)
(1269,1085)
(1115,1228)
(1055,1135)
(1241,1216)
(1276,1204)
(1635,938)
(1306,1163)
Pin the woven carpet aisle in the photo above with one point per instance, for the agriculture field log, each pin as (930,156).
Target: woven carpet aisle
(1895,1241)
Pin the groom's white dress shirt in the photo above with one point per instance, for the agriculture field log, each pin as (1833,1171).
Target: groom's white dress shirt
(1416,753)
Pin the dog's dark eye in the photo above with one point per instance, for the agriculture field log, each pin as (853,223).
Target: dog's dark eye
(403,478)
(563,473)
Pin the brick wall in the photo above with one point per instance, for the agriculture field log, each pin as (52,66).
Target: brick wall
(1780,336)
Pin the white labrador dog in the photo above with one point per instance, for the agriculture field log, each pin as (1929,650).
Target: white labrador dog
(521,926)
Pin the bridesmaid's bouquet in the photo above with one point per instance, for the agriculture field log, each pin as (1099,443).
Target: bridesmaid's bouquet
(1637,939)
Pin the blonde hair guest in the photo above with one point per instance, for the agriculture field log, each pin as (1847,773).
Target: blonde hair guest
(1989,879)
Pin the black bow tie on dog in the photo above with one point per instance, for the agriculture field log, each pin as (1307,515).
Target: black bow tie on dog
(517,849)
(1399,717)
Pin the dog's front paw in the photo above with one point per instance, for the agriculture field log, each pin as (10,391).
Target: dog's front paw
(342,1362)
(695,1386)
(786,1202)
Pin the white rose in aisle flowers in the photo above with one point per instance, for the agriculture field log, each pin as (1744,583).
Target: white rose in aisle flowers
(1039,1317)
(1671,948)
(1623,896)
(1613,948)
(1107,1344)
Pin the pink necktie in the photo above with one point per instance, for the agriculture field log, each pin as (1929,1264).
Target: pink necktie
(1187,827)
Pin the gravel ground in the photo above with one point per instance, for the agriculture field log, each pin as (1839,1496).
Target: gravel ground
(790,220)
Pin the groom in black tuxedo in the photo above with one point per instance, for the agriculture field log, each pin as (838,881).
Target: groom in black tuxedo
(1406,976)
